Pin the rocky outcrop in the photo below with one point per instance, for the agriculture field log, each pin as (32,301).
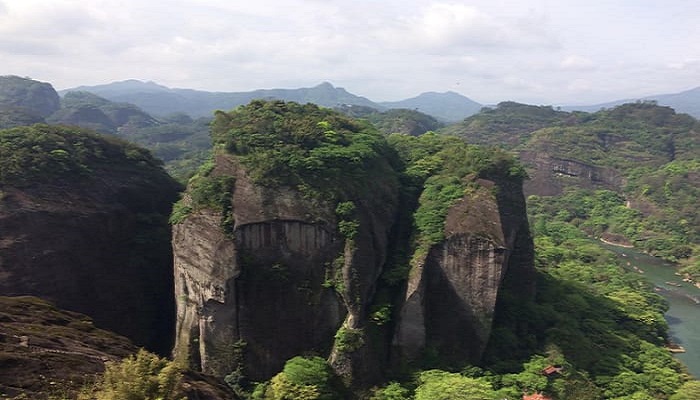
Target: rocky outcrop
(46,350)
(50,353)
(550,175)
(96,243)
(285,282)
(451,295)
(295,241)
(279,285)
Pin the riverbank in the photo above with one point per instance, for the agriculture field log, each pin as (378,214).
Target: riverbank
(683,299)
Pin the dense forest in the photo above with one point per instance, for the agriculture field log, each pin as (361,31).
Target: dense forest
(591,329)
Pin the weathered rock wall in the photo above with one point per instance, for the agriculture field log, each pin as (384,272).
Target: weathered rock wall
(452,291)
(550,175)
(280,285)
(286,282)
(99,247)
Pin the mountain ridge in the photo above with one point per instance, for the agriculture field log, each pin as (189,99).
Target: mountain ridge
(686,101)
(446,106)
(161,100)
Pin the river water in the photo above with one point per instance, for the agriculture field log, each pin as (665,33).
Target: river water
(683,315)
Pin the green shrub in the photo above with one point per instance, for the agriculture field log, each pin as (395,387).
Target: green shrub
(143,376)
(345,209)
(392,391)
(348,339)
(441,385)
(348,228)
(305,378)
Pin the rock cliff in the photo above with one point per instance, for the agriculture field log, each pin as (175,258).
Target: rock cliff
(451,292)
(83,223)
(281,283)
(272,262)
(551,174)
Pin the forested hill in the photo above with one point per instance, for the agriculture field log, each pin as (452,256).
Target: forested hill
(630,173)
(181,141)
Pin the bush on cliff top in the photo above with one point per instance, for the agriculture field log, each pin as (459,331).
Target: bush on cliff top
(440,168)
(285,143)
(41,153)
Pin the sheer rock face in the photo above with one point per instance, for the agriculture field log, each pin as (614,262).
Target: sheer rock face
(451,294)
(280,285)
(285,280)
(551,175)
(99,246)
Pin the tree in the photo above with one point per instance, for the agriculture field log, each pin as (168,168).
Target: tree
(689,391)
(143,376)
(392,391)
(441,385)
(302,379)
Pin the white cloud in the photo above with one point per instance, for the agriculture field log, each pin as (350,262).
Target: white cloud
(579,85)
(444,28)
(488,50)
(687,64)
(577,63)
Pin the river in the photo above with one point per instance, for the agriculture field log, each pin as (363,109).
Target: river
(683,315)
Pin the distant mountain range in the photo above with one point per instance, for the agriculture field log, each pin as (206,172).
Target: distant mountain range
(161,100)
(448,107)
(687,102)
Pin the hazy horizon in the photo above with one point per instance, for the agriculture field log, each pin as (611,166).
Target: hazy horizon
(540,52)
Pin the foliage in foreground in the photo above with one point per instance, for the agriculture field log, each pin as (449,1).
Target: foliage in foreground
(143,376)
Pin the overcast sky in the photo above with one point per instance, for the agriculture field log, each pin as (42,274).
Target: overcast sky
(537,52)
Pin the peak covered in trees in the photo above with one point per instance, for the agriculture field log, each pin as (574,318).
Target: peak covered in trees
(297,144)
(46,153)
(24,101)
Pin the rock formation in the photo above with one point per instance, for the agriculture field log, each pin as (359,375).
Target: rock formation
(83,223)
(269,271)
(551,174)
(281,283)
(451,294)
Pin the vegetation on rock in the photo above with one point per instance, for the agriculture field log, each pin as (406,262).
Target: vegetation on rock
(302,146)
(439,170)
(31,97)
(652,148)
(303,378)
(41,153)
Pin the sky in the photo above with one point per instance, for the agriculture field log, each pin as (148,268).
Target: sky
(566,52)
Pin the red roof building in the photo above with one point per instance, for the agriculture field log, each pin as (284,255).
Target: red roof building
(551,370)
